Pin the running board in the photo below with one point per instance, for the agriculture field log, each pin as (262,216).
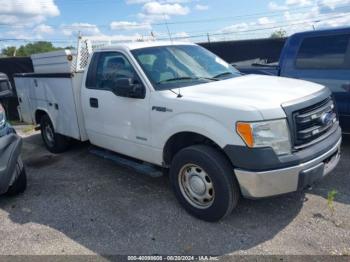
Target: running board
(139,167)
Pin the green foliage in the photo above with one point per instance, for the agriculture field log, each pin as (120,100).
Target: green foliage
(29,49)
(330,200)
(279,34)
(70,47)
(9,51)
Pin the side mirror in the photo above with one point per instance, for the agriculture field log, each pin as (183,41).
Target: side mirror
(128,87)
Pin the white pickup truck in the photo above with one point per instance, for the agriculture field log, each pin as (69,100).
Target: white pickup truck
(221,134)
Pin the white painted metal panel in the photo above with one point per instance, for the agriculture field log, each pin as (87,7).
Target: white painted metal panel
(37,90)
(77,84)
(62,61)
(61,105)
(23,88)
(57,97)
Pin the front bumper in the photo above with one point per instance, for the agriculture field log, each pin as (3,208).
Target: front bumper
(255,184)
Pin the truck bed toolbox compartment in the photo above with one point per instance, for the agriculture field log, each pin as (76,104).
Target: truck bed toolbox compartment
(62,61)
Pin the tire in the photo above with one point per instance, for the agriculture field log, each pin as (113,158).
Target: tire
(19,185)
(204,182)
(54,142)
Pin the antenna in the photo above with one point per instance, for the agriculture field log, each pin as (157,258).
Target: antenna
(167,27)
(179,94)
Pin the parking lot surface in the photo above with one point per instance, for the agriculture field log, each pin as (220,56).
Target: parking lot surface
(78,203)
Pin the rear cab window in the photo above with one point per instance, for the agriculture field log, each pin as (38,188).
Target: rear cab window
(324,52)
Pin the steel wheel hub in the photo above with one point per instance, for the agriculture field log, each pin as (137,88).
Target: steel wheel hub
(196,186)
(49,134)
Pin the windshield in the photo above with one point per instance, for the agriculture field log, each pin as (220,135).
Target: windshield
(182,65)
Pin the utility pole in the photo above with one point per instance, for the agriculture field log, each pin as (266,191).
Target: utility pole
(208,38)
(315,22)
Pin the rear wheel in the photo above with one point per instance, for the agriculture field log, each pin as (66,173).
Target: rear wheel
(54,142)
(204,182)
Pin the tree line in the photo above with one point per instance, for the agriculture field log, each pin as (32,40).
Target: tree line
(45,46)
(31,48)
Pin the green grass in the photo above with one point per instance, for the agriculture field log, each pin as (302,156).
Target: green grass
(28,129)
(15,123)
(330,200)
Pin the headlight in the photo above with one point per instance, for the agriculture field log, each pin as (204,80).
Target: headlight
(274,134)
(2,117)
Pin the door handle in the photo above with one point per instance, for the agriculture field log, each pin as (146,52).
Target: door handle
(94,102)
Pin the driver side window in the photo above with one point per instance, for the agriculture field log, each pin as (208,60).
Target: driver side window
(111,67)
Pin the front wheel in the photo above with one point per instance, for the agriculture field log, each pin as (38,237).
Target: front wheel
(54,142)
(204,182)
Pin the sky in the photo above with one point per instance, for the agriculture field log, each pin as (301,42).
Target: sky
(61,21)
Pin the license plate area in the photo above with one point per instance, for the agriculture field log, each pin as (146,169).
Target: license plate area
(330,162)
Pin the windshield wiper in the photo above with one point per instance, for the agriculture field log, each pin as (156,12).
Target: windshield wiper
(187,78)
(176,79)
(208,78)
(223,74)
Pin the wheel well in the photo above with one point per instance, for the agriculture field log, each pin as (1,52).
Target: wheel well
(182,140)
(38,115)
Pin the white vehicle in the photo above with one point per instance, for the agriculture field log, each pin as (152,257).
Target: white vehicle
(221,134)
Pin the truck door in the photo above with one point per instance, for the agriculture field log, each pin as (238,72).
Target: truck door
(325,59)
(115,118)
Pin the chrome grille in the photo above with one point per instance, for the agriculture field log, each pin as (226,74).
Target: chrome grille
(314,122)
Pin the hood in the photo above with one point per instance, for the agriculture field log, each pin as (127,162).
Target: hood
(264,93)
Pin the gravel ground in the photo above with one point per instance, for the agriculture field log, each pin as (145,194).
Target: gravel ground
(78,203)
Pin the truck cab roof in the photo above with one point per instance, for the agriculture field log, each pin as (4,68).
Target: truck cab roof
(138,45)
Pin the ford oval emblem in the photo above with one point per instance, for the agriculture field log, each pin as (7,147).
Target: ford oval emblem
(326,118)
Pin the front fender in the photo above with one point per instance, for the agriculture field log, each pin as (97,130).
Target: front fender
(197,123)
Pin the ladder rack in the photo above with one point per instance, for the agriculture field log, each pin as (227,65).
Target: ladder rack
(86,46)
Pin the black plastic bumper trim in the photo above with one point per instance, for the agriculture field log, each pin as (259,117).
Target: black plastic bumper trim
(264,159)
